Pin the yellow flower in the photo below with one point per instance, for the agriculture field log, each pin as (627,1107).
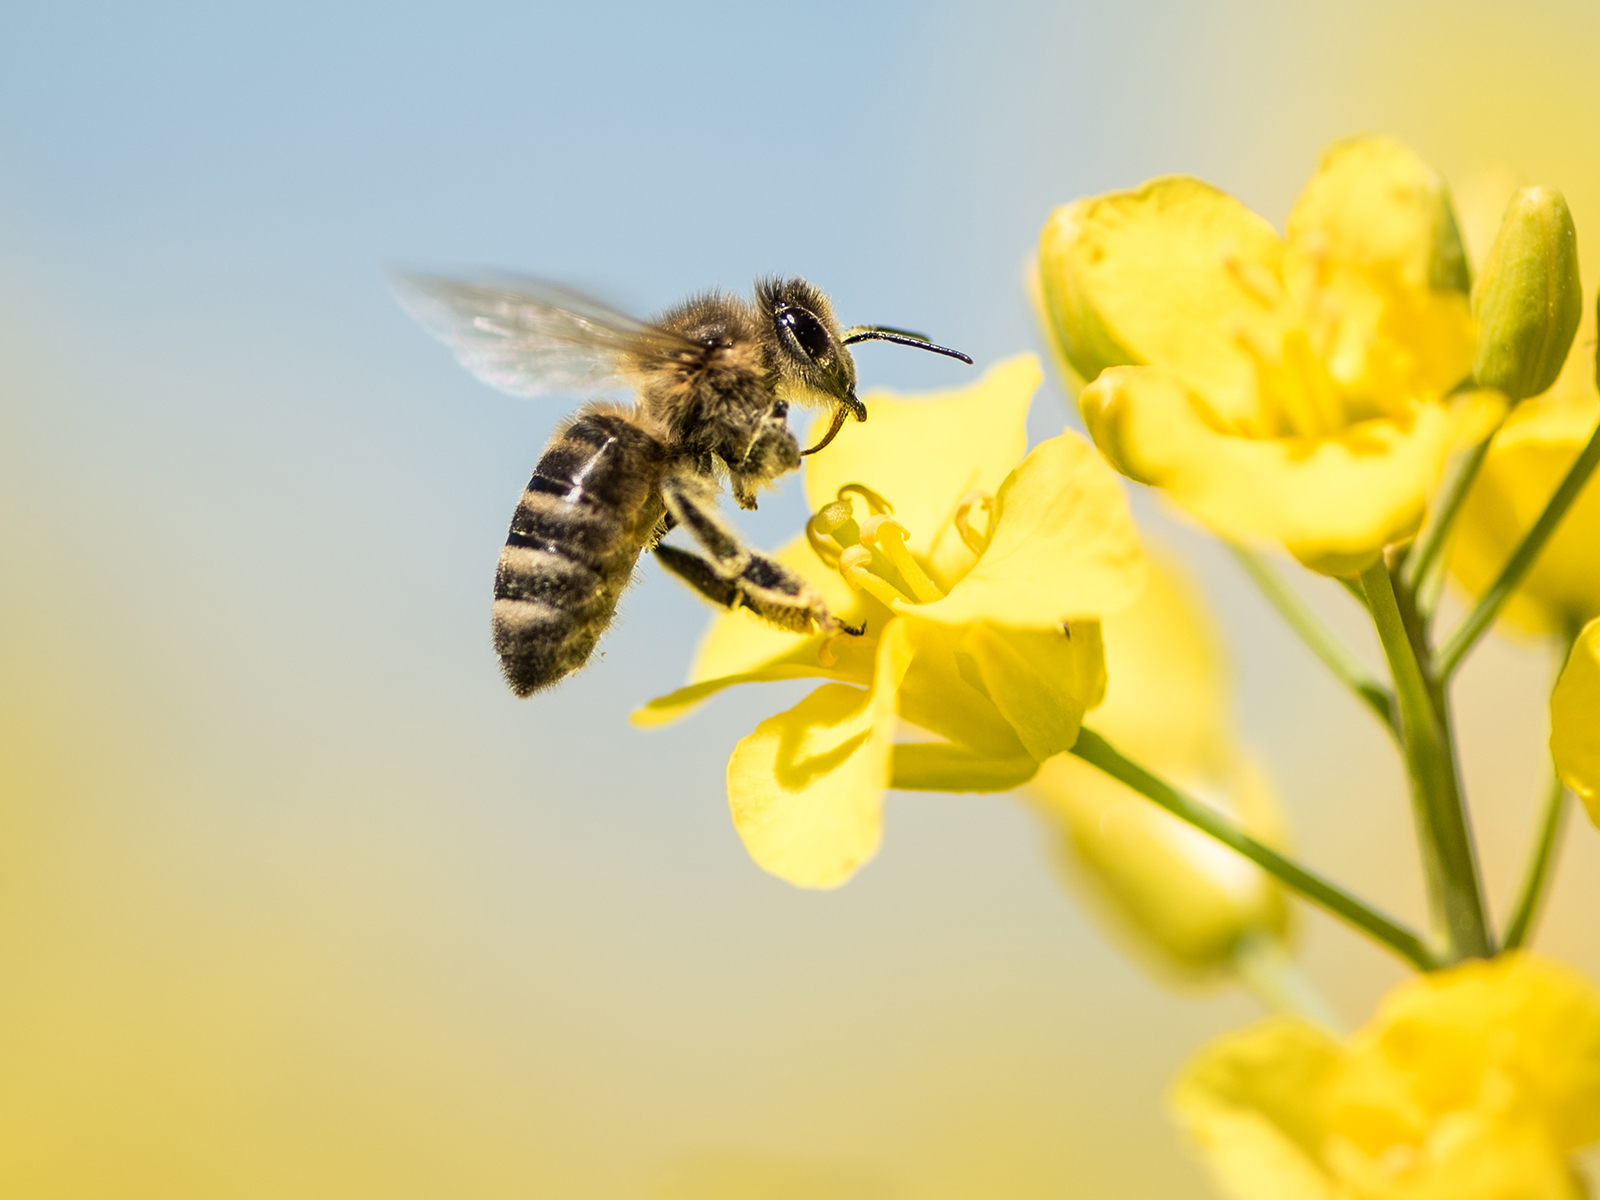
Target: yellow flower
(1185,900)
(1575,720)
(979,595)
(1526,462)
(1295,389)
(1474,1083)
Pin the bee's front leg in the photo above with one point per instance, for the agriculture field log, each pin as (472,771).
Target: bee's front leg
(772,452)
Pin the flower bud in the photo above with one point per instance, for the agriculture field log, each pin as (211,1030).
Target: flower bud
(1179,900)
(1529,299)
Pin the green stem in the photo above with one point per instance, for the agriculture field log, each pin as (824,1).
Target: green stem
(1321,640)
(1531,898)
(1434,535)
(1455,895)
(1095,750)
(1489,605)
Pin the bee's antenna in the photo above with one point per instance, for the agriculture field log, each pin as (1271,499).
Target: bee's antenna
(900,337)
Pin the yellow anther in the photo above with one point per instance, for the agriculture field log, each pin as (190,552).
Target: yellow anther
(855,556)
(870,527)
(832,517)
(875,502)
(889,536)
(976,542)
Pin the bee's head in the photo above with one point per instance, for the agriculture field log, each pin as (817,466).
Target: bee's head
(809,351)
(805,344)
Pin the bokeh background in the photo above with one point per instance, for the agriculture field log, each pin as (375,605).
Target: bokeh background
(295,898)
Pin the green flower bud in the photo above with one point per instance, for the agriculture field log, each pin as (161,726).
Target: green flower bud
(1529,299)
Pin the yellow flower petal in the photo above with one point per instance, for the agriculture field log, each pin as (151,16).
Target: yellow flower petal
(1473,1083)
(1334,502)
(739,647)
(1041,680)
(852,663)
(1491,1153)
(924,454)
(942,767)
(1253,1103)
(1064,546)
(1575,720)
(1529,1019)
(1530,456)
(1377,265)
(1162,274)
(938,695)
(806,788)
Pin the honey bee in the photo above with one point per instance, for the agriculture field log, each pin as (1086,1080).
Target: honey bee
(713,379)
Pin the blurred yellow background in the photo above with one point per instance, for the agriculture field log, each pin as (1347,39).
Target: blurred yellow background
(296,899)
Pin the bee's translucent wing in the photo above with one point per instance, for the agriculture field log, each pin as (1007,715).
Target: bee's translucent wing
(532,338)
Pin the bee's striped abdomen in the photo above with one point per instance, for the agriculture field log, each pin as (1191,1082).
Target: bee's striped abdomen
(584,517)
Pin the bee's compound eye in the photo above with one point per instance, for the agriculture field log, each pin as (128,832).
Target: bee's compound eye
(807,332)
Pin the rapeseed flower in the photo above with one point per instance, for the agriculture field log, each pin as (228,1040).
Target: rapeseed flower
(1298,389)
(978,572)
(1575,720)
(1474,1083)
(1187,903)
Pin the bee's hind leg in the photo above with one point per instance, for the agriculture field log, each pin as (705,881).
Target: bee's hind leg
(732,575)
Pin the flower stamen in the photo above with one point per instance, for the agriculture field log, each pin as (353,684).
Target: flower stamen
(847,637)
(875,502)
(976,542)
(825,655)
(823,546)
(888,535)
(855,566)
(1288,392)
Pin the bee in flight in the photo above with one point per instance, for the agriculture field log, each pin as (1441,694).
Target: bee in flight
(714,377)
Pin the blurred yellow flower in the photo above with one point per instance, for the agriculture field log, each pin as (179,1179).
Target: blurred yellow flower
(979,593)
(1295,389)
(1575,720)
(1185,900)
(1474,1083)
(1526,462)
